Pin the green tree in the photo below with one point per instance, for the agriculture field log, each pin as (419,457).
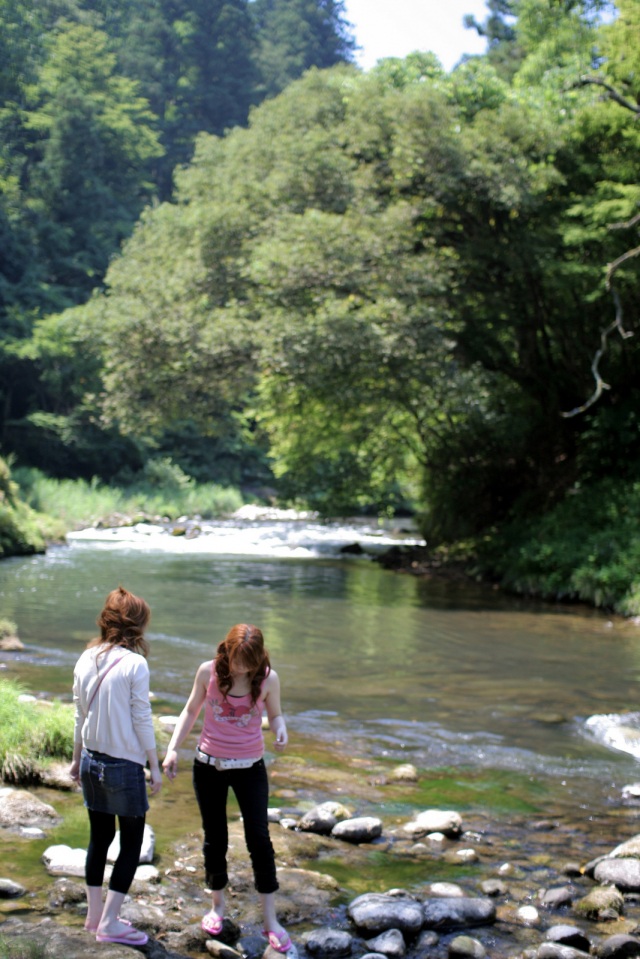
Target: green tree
(295,35)
(96,139)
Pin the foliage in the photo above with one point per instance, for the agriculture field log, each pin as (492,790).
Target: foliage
(31,735)
(7,628)
(99,101)
(586,548)
(20,529)
(295,35)
(162,490)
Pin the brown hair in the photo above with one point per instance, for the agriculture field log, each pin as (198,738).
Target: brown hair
(242,643)
(123,621)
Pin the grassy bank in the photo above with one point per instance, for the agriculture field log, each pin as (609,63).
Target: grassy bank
(161,491)
(587,549)
(32,734)
(20,528)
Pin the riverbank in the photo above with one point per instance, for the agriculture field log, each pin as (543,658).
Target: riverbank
(502,873)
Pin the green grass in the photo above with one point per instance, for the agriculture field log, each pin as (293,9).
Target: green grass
(7,628)
(160,491)
(31,734)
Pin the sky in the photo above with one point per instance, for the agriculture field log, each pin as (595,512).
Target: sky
(394,28)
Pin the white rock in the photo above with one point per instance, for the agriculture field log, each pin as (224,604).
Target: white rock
(148,846)
(528,914)
(62,860)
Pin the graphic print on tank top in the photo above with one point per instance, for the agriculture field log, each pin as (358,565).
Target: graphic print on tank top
(237,713)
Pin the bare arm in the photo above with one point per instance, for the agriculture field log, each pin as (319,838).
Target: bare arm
(277,724)
(187,719)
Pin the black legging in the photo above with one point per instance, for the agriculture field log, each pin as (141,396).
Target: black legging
(103,830)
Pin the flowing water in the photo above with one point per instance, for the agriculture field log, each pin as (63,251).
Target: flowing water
(444,675)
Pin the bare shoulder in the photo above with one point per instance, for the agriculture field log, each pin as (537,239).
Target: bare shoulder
(272,680)
(204,672)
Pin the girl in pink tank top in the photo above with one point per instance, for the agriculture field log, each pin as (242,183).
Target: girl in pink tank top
(234,688)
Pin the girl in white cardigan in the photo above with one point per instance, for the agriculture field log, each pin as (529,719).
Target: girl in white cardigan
(114,739)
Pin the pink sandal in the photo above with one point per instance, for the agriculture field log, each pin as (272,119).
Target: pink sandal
(279,943)
(212,923)
(131,937)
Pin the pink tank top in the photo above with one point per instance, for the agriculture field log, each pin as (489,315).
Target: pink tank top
(232,727)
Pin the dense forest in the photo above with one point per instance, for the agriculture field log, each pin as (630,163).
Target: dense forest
(225,247)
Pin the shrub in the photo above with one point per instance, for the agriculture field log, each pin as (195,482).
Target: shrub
(31,735)
(586,548)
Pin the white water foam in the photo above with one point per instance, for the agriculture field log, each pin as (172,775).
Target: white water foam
(268,533)
(619,731)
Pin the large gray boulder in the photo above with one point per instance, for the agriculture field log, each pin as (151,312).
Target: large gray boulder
(623,873)
(18,807)
(373,913)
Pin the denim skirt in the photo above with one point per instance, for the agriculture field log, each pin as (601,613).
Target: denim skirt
(112,785)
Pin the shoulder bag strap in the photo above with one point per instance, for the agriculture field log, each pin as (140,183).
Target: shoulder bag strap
(107,670)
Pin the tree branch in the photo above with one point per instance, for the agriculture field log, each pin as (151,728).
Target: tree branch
(600,383)
(612,267)
(612,92)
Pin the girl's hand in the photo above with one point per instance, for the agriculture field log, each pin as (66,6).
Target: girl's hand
(74,770)
(170,764)
(156,782)
(281,740)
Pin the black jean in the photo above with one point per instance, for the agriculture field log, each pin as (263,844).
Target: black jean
(251,788)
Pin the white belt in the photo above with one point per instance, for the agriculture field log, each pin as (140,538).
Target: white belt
(208,760)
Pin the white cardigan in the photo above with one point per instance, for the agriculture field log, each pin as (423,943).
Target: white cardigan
(118,721)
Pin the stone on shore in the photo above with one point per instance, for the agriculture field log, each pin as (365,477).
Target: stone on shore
(146,853)
(452,912)
(10,889)
(465,947)
(600,903)
(322,818)
(374,913)
(619,947)
(359,830)
(390,943)
(18,807)
(328,943)
(61,860)
(623,873)
(435,820)
(407,773)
